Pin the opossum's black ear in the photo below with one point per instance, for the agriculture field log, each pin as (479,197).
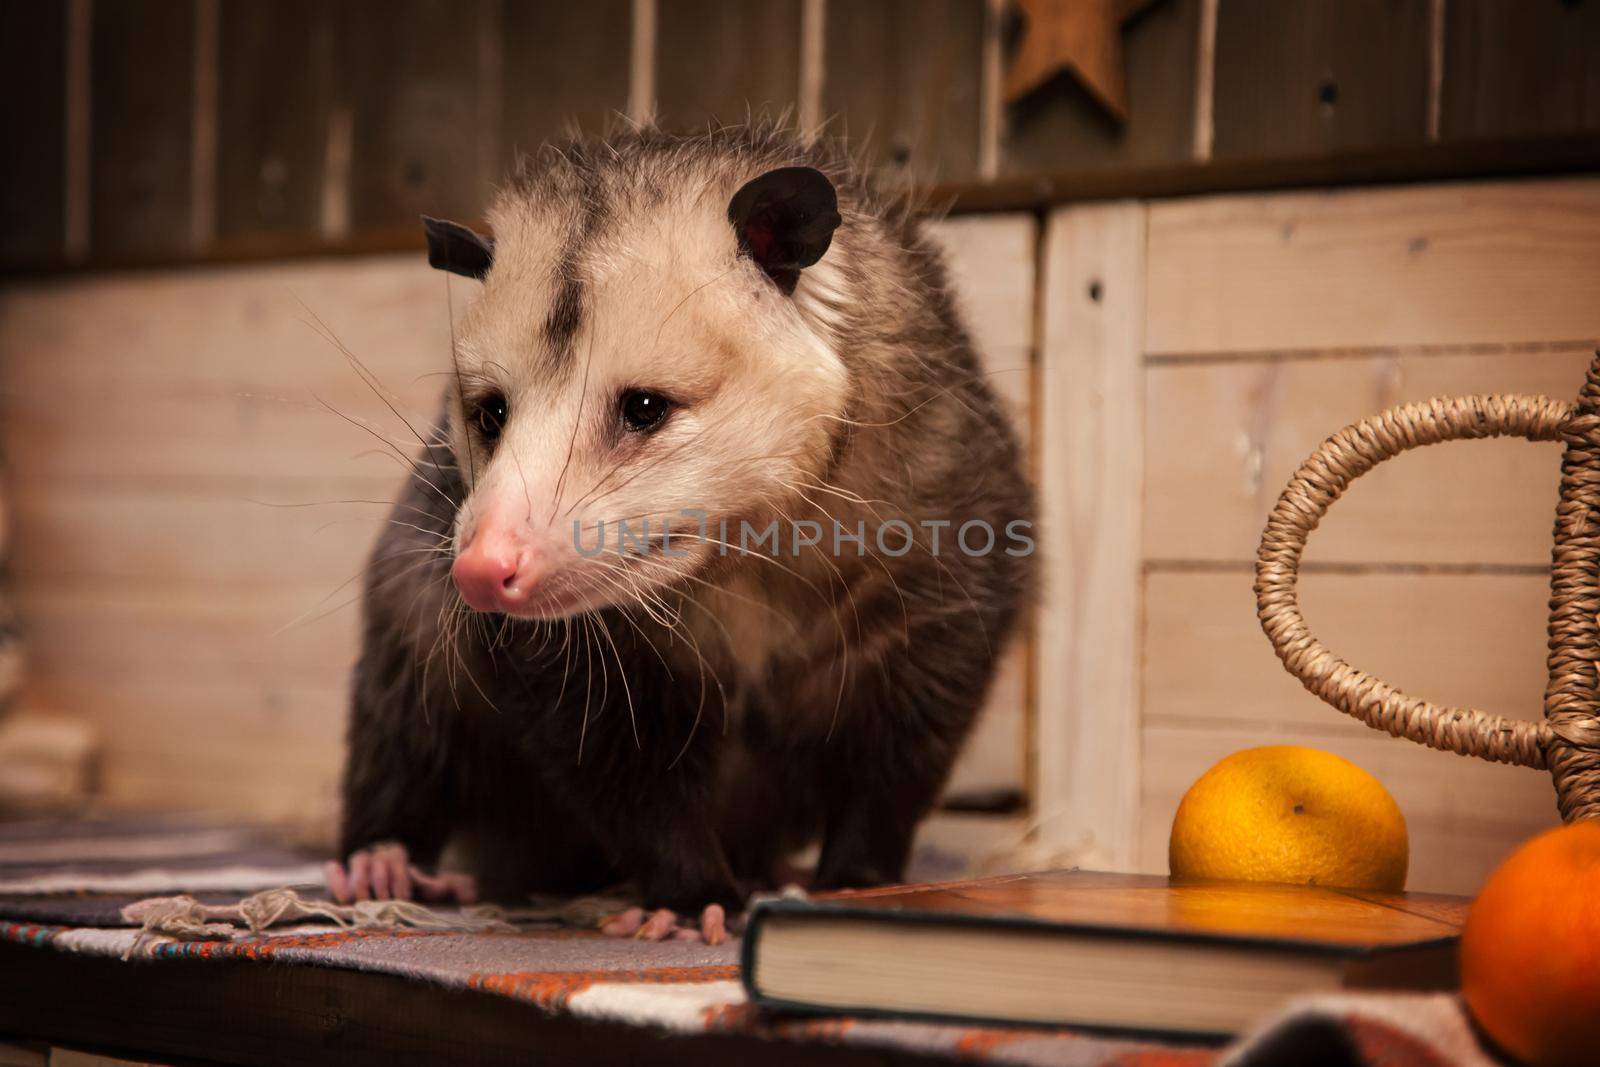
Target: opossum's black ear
(785,221)
(453,247)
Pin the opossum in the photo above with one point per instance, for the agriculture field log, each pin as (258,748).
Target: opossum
(737,368)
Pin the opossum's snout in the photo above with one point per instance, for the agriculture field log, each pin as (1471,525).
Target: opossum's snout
(493,573)
(497,570)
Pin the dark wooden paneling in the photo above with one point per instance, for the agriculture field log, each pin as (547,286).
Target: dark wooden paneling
(902,78)
(1434,162)
(143,107)
(565,66)
(409,75)
(33,128)
(1303,77)
(722,60)
(275,85)
(1515,69)
(1060,127)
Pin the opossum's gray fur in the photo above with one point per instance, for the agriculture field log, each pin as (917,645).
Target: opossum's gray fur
(701,719)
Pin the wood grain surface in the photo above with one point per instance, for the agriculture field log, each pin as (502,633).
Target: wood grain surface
(143,110)
(721,61)
(33,122)
(1060,127)
(275,101)
(1319,76)
(1091,462)
(1450,264)
(902,83)
(1524,68)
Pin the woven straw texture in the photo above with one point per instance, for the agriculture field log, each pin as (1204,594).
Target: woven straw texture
(1567,741)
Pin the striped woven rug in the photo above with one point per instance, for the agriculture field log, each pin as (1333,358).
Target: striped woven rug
(63,886)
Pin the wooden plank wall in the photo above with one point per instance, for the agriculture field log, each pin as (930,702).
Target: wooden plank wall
(164,130)
(1089,463)
(195,476)
(1269,322)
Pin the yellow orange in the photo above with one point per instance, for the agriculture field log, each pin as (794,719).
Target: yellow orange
(1284,813)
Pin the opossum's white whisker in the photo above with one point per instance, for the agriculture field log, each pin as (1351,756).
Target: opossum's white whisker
(369,379)
(429,482)
(679,305)
(844,644)
(627,691)
(618,466)
(307,617)
(455,363)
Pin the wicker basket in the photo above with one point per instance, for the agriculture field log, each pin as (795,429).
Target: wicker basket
(1567,742)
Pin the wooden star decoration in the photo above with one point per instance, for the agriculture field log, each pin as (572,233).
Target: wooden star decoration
(1080,36)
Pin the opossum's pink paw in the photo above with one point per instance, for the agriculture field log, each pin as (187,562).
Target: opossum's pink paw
(385,872)
(660,926)
(714,925)
(666,925)
(623,924)
(377,872)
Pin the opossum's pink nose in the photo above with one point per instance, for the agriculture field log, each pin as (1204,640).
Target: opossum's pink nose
(495,572)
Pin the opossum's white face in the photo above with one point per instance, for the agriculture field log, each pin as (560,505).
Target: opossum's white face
(629,388)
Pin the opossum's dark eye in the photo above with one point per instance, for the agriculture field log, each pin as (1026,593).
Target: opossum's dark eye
(643,411)
(489,415)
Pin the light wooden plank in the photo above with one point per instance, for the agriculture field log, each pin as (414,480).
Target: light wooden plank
(991,263)
(225,728)
(1226,437)
(1462,815)
(209,633)
(148,417)
(1088,535)
(995,756)
(231,330)
(1435,264)
(226,442)
(1474,641)
(270,751)
(138,536)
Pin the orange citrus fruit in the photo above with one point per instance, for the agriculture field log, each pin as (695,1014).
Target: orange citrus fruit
(1530,953)
(1284,813)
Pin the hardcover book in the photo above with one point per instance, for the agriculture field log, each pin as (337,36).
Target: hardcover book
(1127,952)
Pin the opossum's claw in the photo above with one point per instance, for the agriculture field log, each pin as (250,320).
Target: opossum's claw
(714,924)
(385,872)
(661,925)
(666,925)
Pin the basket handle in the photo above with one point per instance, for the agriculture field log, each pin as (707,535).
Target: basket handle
(1321,479)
